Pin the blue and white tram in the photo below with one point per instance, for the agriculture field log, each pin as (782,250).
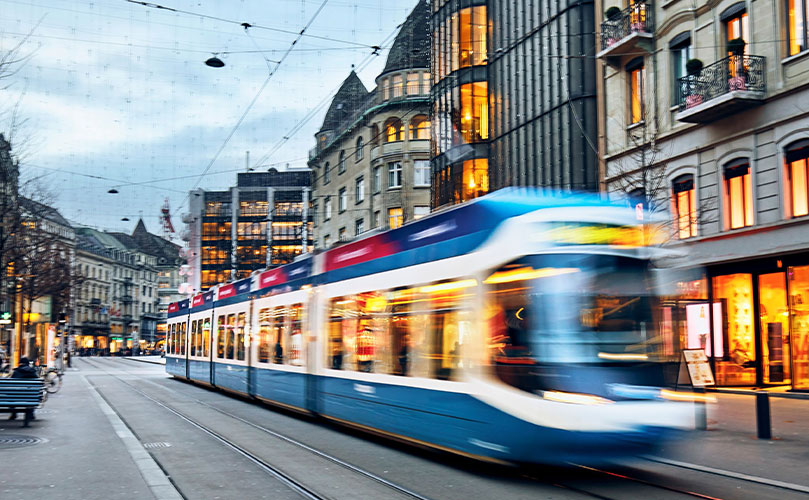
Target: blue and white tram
(517,327)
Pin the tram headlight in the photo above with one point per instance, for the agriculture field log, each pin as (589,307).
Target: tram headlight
(575,398)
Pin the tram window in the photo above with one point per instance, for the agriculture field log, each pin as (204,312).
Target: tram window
(278,334)
(199,337)
(220,337)
(342,325)
(182,338)
(371,332)
(450,323)
(206,336)
(170,346)
(402,319)
(296,335)
(264,335)
(240,326)
(193,347)
(230,334)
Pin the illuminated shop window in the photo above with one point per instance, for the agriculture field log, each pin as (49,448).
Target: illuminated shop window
(738,194)
(797,160)
(685,206)
(395,218)
(474,112)
(797,29)
(734,294)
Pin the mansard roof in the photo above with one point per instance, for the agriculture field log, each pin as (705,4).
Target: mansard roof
(411,49)
(349,99)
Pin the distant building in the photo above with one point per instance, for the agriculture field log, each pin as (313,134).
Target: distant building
(371,163)
(227,230)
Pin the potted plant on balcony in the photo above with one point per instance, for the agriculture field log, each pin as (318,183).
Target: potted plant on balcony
(738,78)
(612,26)
(692,95)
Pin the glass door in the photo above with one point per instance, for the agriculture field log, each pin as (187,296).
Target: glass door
(799,302)
(774,325)
(734,328)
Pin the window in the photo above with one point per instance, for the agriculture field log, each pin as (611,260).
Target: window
(420,128)
(685,206)
(797,159)
(377,180)
(264,335)
(385,89)
(359,227)
(472,46)
(326,241)
(326,173)
(474,112)
(412,84)
(797,29)
(327,205)
(397,86)
(425,83)
(341,234)
(421,173)
(359,189)
(377,215)
(735,19)
(342,200)
(395,218)
(680,48)
(420,211)
(359,152)
(393,130)
(738,194)
(394,174)
(341,163)
(637,75)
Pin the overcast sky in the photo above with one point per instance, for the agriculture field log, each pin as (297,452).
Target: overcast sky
(115,94)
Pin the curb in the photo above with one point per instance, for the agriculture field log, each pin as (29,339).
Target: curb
(750,392)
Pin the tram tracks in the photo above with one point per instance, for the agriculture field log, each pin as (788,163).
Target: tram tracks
(612,484)
(296,485)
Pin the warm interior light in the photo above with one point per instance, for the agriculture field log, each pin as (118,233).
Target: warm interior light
(527,273)
(687,396)
(575,398)
(622,356)
(449,286)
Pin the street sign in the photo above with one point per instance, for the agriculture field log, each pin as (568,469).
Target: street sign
(5,318)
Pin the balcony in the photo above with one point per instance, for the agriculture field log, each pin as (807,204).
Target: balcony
(629,32)
(126,299)
(727,86)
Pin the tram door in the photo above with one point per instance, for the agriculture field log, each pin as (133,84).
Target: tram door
(774,327)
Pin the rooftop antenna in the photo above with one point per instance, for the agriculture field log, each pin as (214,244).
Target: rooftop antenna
(247,161)
(165,217)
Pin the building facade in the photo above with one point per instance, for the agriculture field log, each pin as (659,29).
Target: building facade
(513,97)
(228,235)
(704,122)
(371,164)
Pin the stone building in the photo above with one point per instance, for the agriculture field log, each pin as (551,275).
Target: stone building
(704,122)
(371,164)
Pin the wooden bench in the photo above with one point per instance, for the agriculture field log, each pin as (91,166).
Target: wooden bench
(21,394)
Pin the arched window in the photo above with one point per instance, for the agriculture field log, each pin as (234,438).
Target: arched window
(326,173)
(420,127)
(685,206)
(358,153)
(341,163)
(738,194)
(797,166)
(374,134)
(393,130)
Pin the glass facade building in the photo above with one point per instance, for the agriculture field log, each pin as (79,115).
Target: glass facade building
(513,97)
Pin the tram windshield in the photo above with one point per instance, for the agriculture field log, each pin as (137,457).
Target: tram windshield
(570,309)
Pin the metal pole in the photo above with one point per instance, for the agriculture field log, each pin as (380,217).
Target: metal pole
(700,412)
(763,424)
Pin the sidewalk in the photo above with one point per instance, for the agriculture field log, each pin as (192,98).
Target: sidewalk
(81,453)
(731,442)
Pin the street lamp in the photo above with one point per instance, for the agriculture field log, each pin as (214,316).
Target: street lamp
(214,62)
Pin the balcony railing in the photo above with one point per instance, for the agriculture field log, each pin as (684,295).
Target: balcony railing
(726,86)
(620,35)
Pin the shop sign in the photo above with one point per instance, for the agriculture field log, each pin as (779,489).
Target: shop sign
(698,368)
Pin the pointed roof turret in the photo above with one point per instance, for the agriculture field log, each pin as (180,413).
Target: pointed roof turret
(411,49)
(350,98)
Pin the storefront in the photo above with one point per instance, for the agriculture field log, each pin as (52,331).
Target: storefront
(757,331)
